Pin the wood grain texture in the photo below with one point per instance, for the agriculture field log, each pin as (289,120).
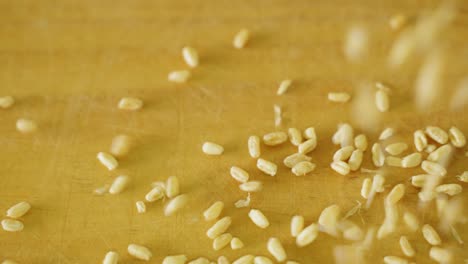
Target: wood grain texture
(68,63)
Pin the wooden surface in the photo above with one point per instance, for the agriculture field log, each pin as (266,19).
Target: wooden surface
(68,63)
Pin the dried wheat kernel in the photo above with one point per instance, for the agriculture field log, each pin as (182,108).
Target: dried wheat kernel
(307,235)
(179,76)
(457,137)
(406,247)
(275,138)
(309,133)
(141,207)
(366,188)
(431,235)
(297,224)
(328,219)
(346,135)
(396,194)
(339,97)
(251,186)
(396,148)
(382,101)
(411,221)
(397,21)
(172,187)
(247,259)
(258,218)
(378,156)
(450,189)
(219,227)
(254,146)
(394,161)
(139,252)
(267,167)
(111,258)
(291,160)
(441,255)
(437,134)
(276,249)
(283,87)
(190,56)
(343,153)
(360,142)
(355,160)
(213,211)
(295,136)
(12,225)
(18,210)
(6,101)
(419,180)
(200,260)
(222,241)
(341,167)
(26,126)
(411,160)
(177,259)
(420,140)
(236,243)
(211,148)
(378,183)
(278,113)
(262,260)
(107,160)
(386,133)
(394,260)
(433,168)
(442,154)
(222,260)
(155,194)
(130,103)
(307,146)
(463,177)
(241,38)
(119,184)
(303,167)
(120,145)
(176,204)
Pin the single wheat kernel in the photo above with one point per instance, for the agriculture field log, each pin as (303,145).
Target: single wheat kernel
(159,184)
(328,219)
(307,235)
(339,97)
(247,259)
(177,259)
(291,160)
(442,154)
(463,177)
(441,255)
(303,167)
(394,161)
(378,156)
(211,148)
(130,103)
(309,133)
(258,218)
(190,56)
(276,249)
(307,146)
(236,243)
(366,188)
(6,101)
(176,204)
(397,21)
(278,115)
(396,148)
(251,186)
(412,160)
(343,153)
(241,38)
(430,148)
(111,258)
(275,138)
(120,145)
(283,87)
(155,194)
(222,241)
(386,133)
(450,189)
(396,194)
(297,225)
(219,227)
(262,260)
(12,225)
(295,136)
(378,183)
(419,180)
(382,101)
(18,210)
(346,135)
(267,167)
(200,260)
(356,43)
(420,140)
(243,202)
(172,187)
(351,231)
(341,167)
(213,211)
(431,235)
(254,146)
(355,160)
(26,126)
(139,252)
(437,134)
(140,206)
(119,184)
(394,260)
(433,168)
(406,247)
(222,260)
(107,160)
(179,76)
(360,142)
(457,137)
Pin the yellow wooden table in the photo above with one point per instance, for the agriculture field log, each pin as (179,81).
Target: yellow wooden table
(68,63)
